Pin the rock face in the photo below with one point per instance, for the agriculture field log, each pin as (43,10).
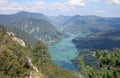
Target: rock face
(35,73)
(10,33)
(18,40)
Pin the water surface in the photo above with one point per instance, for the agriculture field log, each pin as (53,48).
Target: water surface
(63,52)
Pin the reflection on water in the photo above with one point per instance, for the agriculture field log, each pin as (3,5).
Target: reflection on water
(63,52)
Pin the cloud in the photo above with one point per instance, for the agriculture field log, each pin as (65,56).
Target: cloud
(3,1)
(39,6)
(68,7)
(13,7)
(59,6)
(114,1)
(9,7)
(76,3)
(35,6)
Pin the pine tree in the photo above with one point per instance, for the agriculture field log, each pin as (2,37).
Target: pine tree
(109,63)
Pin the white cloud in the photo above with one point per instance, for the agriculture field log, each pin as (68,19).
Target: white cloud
(9,7)
(3,1)
(70,5)
(40,6)
(13,7)
(76,3)
(35,6)
(114,1)
(59,6)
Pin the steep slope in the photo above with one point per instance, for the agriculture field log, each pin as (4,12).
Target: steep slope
(13,57)
(35,24)
(41,30)
(29,39)
(17,60)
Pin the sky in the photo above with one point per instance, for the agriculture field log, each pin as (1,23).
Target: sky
(105,8)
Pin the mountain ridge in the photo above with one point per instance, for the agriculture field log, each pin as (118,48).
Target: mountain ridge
(88,24)
(40,28)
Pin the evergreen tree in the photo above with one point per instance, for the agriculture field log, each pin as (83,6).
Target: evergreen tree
(109,66)
(40,54)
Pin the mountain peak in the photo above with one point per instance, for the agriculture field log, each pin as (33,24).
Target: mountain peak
(23,12)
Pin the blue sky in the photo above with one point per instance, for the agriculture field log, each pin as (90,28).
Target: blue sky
(105,8)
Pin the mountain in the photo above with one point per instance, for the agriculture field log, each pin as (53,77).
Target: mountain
(87,24)
(35,24)
(59,21)
(22,15)
(104,41)
(17,60)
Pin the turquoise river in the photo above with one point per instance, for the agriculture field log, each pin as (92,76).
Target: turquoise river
(63,52)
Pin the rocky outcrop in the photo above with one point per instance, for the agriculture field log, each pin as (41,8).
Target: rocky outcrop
(31,65)
(35,73)
(18,40)
(10,33)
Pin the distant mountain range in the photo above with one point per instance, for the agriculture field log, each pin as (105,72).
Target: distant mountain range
(36,24)
(86,24)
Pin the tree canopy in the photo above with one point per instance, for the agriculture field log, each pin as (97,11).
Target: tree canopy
(109,65)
